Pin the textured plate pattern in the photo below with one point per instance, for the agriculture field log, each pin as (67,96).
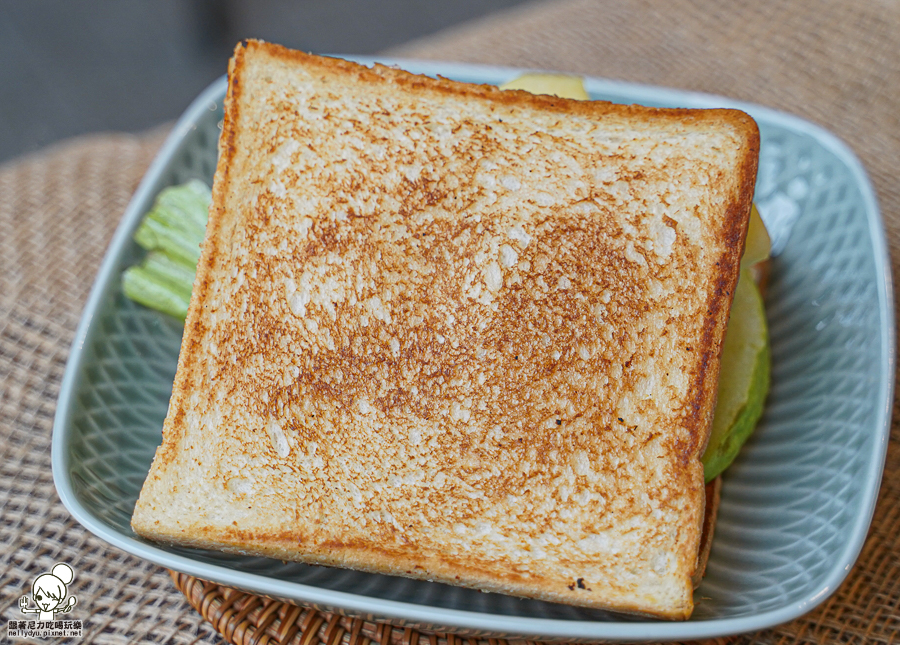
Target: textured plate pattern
(795,506)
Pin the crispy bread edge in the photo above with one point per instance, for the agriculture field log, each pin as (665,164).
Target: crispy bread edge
(142,521)
(710,514)
(737,214)
(739,120)
(434,570)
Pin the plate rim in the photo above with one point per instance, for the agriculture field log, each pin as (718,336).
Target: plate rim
(398,611)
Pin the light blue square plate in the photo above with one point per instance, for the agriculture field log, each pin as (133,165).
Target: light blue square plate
(796,505)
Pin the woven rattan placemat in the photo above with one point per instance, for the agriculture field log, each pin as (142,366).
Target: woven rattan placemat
(834,62)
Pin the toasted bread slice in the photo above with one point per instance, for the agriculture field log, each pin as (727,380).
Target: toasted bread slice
(455,333)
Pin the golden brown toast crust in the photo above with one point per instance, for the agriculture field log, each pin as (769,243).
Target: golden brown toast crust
(454,333)
(710,513)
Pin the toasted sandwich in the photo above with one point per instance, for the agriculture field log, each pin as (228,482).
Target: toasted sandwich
(460,334)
